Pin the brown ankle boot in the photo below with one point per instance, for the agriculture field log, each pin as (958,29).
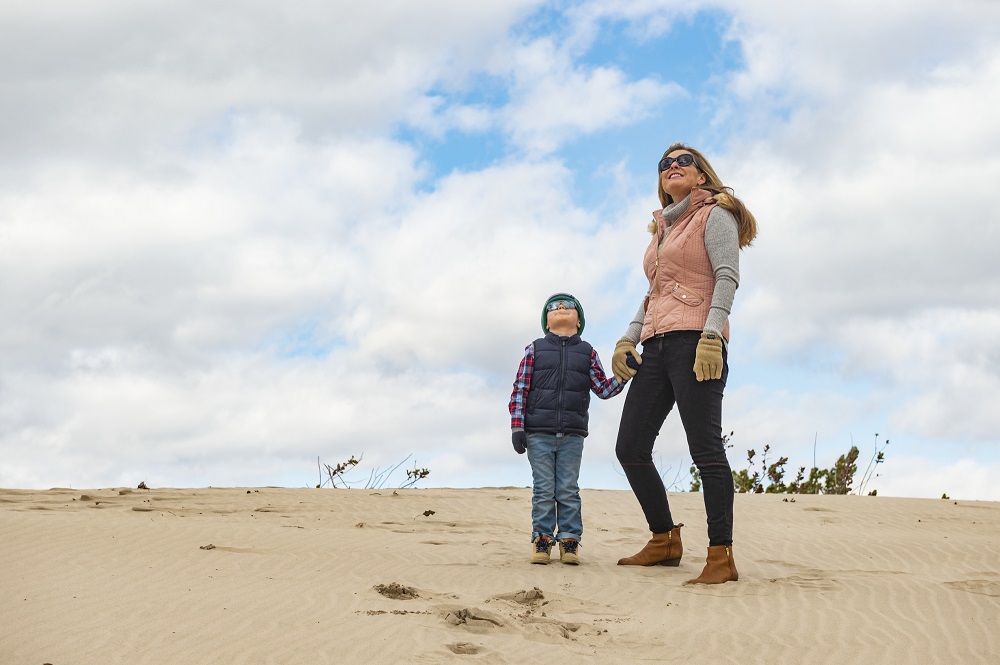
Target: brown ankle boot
(719,567)
(665,549)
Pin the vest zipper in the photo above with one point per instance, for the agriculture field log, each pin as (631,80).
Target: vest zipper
(680,287)
(562,385)
(656,282)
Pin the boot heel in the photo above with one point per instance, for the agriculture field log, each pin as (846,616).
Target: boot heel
(673,563)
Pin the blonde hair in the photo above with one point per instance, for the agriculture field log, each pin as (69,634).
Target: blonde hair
(745,221)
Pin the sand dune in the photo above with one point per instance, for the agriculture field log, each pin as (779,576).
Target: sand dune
(273,575)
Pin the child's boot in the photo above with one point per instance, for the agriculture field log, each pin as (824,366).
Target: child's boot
(568,551)
(540,548)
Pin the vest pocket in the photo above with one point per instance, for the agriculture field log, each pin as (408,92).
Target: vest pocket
(686,295)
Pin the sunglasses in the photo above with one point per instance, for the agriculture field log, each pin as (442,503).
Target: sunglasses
(556,304)
(682,160)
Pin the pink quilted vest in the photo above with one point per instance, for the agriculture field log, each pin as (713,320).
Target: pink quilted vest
(680,274)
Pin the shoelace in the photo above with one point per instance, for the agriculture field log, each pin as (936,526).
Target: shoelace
(543,545)
(569,546)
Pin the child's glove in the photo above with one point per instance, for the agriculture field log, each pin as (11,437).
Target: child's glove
(520,440)
(625,361)
(708,357)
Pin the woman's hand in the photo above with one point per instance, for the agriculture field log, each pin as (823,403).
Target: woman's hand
(708,357)
(625,361)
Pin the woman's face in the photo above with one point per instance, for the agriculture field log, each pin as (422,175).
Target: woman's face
(677,180)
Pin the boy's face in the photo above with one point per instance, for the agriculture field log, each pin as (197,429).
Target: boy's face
(562,318)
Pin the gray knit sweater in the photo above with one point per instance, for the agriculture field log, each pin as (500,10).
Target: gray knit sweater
(722,242)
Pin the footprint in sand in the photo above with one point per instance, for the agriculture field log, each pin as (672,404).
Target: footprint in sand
(555,628)
(464,648)
(809,583)
(473,617)
(524,597)
(397,591)
(540,624)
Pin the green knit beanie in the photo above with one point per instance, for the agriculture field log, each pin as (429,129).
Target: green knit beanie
(562,296)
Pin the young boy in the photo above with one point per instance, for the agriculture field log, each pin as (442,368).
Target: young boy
(548,419)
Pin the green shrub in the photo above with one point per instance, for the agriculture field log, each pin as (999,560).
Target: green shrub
(770,478)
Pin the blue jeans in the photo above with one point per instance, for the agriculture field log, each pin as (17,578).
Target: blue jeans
(555,473)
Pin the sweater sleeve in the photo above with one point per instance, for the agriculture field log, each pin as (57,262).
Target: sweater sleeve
(634,330)
(722,242)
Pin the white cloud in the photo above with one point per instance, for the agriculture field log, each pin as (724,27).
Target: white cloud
(863,139)
(965,478)
(826,50)
(875,256)
(216,261)
(161,342)
(553,99)
(116,81)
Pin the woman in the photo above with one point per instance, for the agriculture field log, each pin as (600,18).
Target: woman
(692,263)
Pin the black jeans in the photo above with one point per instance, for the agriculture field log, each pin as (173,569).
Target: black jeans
(666,377)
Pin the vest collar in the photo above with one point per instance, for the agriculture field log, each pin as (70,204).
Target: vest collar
(696,199)
(558,339)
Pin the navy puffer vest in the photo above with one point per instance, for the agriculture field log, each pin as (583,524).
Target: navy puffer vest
(559,395)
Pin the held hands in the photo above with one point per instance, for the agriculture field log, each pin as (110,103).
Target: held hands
(708,357)
(520,440)
(625,361)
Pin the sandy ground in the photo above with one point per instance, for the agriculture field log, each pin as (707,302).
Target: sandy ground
(275,575)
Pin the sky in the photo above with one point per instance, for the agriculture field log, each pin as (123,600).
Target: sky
(239,240)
